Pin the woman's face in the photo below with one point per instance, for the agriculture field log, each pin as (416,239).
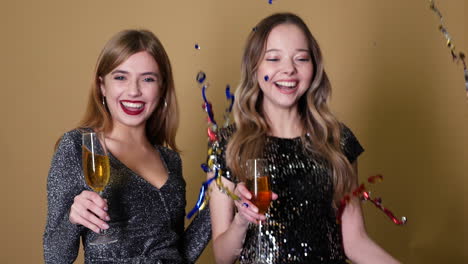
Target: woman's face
(288,66)
(132,90)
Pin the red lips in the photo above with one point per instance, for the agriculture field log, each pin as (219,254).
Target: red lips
(132,107)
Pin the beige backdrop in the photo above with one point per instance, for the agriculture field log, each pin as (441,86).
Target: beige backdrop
(394,84)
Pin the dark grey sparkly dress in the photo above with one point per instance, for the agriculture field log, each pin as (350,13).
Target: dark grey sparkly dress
(301,224)
(148,221)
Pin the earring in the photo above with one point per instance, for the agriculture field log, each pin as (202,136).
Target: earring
(165,103)
(104,101)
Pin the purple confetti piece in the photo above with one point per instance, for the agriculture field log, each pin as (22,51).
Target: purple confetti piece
(266,78)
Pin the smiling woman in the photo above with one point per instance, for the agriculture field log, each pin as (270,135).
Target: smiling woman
(130,103)
(282,116)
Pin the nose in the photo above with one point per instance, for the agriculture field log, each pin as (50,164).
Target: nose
(134,89)
(289,67)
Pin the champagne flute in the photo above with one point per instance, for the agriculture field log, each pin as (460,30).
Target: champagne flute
(258,183)
(96,170)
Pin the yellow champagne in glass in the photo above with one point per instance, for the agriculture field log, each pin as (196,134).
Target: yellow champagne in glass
(96,170)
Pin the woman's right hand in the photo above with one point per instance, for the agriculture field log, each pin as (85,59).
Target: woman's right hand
(246,210)
(89,210)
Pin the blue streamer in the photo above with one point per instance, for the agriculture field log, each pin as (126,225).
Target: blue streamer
(229,96)
(205,167)
(201,195)
(207,106)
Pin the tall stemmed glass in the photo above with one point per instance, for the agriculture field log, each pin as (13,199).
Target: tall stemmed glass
(96,170)
(258,183)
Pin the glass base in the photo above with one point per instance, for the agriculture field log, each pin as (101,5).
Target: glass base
(103,239)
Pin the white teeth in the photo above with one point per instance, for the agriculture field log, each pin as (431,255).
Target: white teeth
(133,105)
(287,84)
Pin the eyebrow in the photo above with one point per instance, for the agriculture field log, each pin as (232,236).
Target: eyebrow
(302,50)
(126,72)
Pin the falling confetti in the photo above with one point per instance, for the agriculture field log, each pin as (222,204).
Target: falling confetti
(449,42)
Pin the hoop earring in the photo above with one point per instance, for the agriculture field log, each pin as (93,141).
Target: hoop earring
(104,101)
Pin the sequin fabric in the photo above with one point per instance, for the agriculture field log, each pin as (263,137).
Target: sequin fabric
(301,224)
(149,222)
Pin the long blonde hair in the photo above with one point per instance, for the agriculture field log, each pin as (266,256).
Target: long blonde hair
(161,126)
(323,128)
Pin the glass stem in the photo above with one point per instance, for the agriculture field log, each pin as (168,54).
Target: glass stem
(102,232)
(259,242)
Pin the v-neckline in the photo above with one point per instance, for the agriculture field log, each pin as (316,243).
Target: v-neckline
(161,157)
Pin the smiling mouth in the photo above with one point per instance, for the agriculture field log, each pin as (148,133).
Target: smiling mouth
(286,86)
(132,108)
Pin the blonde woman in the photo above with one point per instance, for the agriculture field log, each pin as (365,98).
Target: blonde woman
(281,114)
(133,104)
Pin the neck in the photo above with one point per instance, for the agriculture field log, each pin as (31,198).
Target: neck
(128,135)
(284,122)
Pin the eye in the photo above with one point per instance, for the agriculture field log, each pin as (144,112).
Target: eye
(119,78)
(149,79)
(303,59)
(272,59)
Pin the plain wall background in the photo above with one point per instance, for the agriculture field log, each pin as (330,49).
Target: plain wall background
(394,82)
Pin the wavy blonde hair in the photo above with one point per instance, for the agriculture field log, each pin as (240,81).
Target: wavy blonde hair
(161,126)
(252,127)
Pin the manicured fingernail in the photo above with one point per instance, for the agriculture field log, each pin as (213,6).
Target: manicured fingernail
(105,226)
(107,218)
(105,208)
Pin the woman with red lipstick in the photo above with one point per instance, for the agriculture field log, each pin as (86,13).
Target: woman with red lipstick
(281,114)
(133,105)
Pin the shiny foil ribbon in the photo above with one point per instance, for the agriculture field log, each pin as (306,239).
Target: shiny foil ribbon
(362,193)
(449,42)
(214,151)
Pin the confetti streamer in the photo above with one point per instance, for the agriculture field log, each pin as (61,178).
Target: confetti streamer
(449,42)
(364,194)
(213,151)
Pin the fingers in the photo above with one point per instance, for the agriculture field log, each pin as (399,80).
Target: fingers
(274,196)
(249,211)
(94,224)
(243,191)
(245,208)
(89,210)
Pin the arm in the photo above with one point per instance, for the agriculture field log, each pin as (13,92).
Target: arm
(358,246)
(197,235)
(229,228)
(61,238)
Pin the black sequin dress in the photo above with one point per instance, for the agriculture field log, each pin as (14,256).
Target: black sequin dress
(301,224)
(149,222)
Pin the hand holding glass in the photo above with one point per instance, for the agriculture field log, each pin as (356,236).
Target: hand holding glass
(96,170)
(258,183)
